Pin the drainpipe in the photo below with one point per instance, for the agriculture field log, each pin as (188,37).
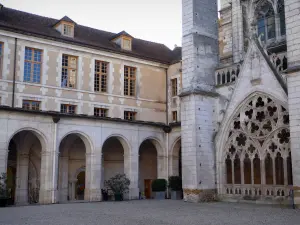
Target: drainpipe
(54,163)
(167,147)
(167,99)
(14,76)
(167,122)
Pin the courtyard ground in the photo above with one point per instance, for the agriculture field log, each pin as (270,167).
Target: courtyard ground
(149,212)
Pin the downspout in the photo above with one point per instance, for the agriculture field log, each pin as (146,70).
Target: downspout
(167,122)
(14,75)
(54,163)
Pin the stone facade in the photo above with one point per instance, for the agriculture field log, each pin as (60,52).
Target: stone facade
(224,115)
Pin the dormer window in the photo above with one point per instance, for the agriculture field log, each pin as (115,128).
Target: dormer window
(65,26)
(68,30)
(126,43)
(124,40)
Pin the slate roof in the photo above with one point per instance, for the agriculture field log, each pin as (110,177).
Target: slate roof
(38,26)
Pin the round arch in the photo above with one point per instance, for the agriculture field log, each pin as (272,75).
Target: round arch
(39,134)
(157,144)
(84,137)
(123,140)
(28,145)
(174,146)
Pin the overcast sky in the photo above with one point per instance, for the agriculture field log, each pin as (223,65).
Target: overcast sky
(152,20)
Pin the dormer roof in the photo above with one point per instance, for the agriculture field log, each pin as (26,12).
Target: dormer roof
(65,19)
(120,34)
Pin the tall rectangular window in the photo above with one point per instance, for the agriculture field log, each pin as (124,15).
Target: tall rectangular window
(101,73)
(69,71)
(32,65)
(31,105)
(100,112)
(1,58)
(174,116)
(128,115)
(174,87)
(129,81)
(66,108)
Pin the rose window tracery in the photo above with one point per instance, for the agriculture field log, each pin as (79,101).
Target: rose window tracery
(257,151)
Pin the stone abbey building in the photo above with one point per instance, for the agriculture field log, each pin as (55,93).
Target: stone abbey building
(79,105)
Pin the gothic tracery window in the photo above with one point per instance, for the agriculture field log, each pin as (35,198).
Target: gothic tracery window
(268,26)
(257,151)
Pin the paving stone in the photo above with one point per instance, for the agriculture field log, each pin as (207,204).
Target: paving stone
(149,212)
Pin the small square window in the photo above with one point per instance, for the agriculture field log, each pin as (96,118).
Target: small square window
(31,105)
(128,115)
(100,112)
(69,109)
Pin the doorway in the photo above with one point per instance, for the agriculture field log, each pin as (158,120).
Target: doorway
(147,188)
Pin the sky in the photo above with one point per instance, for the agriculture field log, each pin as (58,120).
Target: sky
(152,20)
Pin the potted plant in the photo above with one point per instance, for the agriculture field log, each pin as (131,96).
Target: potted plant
(175,184)
(3,190)
(159,187)
(119,185)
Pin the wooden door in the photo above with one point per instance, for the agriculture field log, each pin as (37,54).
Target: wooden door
(147,185)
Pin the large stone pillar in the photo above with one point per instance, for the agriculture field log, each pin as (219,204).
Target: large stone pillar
(292,18)
(22,178)
(134,175)
(199,60)
(46,180)
(95,161)
(3,158)
(63,178)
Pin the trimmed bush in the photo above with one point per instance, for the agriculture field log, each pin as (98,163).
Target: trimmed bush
(175,183)
(159,185)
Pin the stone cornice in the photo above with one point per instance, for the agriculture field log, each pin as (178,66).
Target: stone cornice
(199,92)
(56,116)
(293,69)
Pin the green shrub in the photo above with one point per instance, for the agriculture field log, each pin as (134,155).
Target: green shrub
(175,183)
(3,186)
(119,184)
(159,185)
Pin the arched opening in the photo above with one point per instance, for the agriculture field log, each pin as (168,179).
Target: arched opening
(71,168)
(257,153)
(24,168)
(247,170)
(147,167)
(114,153)
(176,159)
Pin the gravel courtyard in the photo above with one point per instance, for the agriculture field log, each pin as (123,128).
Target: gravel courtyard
(150,212)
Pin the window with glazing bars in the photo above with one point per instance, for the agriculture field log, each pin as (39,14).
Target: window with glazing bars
(66,108)
(69,71)
(100,112)
(174,87)
(31,105)
(128,115)
(101,73)
(68,30)
(129,81)
(1,58)
(32,65)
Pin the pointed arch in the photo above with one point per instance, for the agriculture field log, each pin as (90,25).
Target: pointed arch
(257,134)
